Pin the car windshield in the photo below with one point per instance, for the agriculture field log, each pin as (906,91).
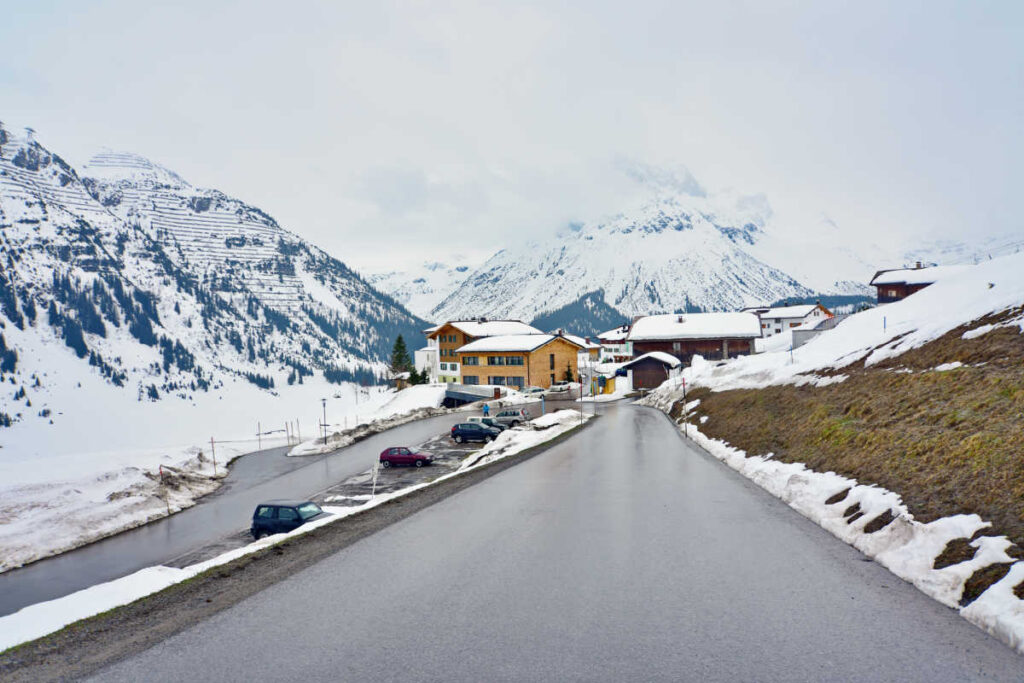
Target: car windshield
(307,510)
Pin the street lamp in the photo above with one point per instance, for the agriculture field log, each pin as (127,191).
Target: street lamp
(324,402)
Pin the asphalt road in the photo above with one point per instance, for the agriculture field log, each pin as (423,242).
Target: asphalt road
(619,554)
(253,478)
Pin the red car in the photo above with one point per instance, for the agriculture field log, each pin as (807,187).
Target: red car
(400,455)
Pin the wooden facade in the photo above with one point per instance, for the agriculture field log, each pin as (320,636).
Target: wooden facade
(887,294)
(540,367)
(648,373)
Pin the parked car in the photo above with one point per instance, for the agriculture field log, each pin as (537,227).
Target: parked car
(533,391)
(559,387)
(473,431)
(489,421)
(512,417)
(281,516)
(400,455)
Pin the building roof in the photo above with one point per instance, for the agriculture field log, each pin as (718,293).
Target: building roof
(798,311)
(612,336)
(581,341)
(915,276)
(488,328)
(511,342)
(660,356)
(696,326)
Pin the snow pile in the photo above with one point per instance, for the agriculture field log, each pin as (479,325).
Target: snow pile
(36,621)
(518,439)
(409,404)
(906,547)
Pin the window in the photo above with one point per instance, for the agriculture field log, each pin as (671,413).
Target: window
(513,360)
(552,378)
(676,346)
(287,514)
(497,381)
(517,382)
(495,360)
(470,379)
(471,360)
(444,366)
(265,512)
(551,364)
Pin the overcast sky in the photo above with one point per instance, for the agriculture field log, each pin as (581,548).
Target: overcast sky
(395,133)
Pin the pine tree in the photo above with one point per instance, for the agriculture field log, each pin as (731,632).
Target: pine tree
(400,361)
(568,372)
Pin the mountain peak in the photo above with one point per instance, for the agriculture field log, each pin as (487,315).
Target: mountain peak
(115,166)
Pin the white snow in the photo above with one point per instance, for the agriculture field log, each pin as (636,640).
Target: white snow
(493,328)
(666,358)
(695,326)
(508,343)
(916,276)
(36,621)
(948,366)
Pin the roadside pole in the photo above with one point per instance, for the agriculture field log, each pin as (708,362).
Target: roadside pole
(686,431)
(213,453)
(259,437)
(376,469)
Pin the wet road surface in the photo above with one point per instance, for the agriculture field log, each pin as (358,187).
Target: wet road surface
(620,554)
(253,478)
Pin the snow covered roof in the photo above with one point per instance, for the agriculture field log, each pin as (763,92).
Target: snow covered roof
(696,326)
(510,342)
(666,358)
(915,276)
(490,328)
(799,311)
(581,341)
(617,335)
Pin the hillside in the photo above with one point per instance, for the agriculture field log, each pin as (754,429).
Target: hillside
(126,284)
(923,398)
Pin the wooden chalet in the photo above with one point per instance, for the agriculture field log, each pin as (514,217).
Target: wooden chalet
(714,336)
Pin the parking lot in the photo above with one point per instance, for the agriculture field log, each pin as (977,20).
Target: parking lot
(447,456)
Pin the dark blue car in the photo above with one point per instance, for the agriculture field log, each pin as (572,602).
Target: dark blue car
(473,431)
(281,516)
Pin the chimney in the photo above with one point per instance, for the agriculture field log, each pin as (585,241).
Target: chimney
(679,319)
(917,266)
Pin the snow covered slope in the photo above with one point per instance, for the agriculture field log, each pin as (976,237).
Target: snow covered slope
(677,252)
(130,283)
(421,289)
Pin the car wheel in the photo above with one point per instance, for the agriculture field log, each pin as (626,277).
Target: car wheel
(257,535)
(385,464)
(515,423)
(419,463)
(458,439)
(490,437)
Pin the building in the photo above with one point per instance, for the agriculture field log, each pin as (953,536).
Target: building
(425,361)
(447,337)
(896,284)
(615,347)
(518,360)
(651,369)
(777,320)
(714,336)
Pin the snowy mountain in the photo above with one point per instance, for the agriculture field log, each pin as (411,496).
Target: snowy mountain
(127,276)
(421,289)
(677,252)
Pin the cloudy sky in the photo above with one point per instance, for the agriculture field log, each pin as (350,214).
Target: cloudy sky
(394,133)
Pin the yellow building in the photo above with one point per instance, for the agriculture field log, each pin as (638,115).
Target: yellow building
(519,360)
(447,337)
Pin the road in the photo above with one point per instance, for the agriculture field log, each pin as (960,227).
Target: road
(255,477)
(620,554)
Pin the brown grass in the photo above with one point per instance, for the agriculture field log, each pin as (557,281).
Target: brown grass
(948,442)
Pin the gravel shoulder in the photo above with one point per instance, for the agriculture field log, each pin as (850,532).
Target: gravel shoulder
(88,645)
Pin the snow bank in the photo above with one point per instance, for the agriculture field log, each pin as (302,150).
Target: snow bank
(906,547)
(36,621)
(407,405)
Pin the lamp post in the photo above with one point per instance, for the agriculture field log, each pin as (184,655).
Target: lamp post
(323,401)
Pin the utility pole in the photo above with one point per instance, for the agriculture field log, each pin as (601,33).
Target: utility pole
(213,452)
(323,401)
